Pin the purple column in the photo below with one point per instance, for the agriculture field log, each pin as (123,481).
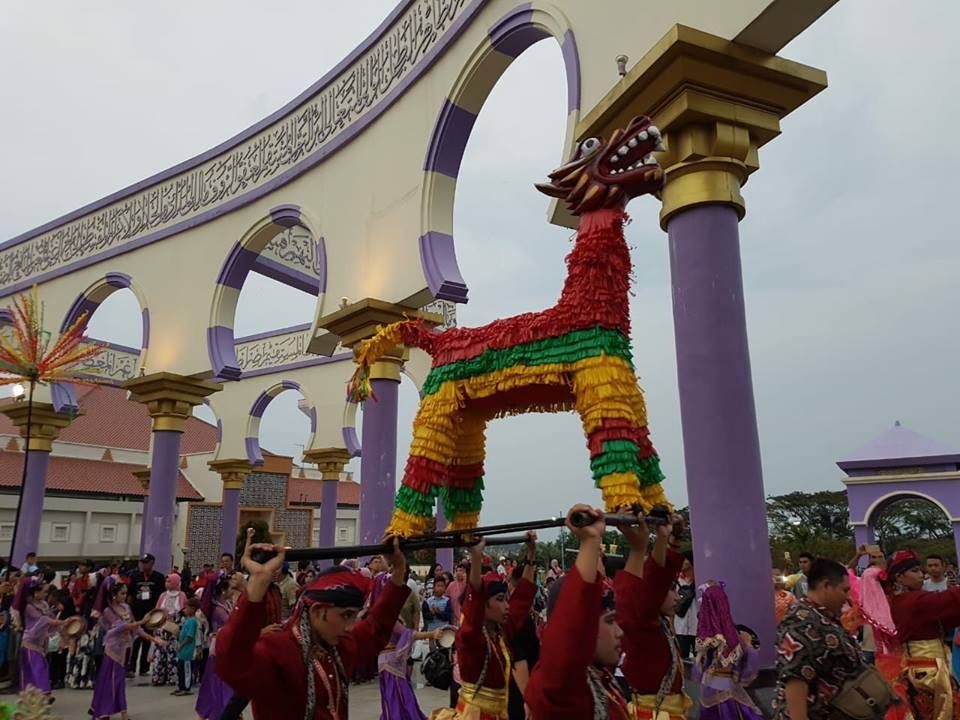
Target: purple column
(444,555)
(863,535)
(378,460)
(231,520)
(328,516)
(143,523)
(720,442)
(31,507)
(158,516)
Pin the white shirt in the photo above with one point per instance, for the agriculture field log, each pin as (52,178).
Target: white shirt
(687,625)
(932,586)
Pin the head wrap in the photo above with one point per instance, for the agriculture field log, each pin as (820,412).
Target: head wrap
(902,561)
(338,586)
(716,630)
(875,608)
(493,584)
(175,579)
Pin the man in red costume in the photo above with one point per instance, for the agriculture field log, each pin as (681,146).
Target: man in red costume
(920,617)
(489,621)
(304,670)
(652,667)
(581,643)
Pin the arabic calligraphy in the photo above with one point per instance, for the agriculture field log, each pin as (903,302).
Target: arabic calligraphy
(274,351)
(111,364)
(272,151)
(296,247)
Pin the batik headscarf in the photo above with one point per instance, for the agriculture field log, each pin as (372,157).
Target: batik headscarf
(335,587)
(902,561)
(717,638)
(25,590)
(493,584)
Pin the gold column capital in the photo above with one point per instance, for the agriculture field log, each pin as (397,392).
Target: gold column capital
(360,321)
(331,461)
(45,423)
(144,477)
(169,397)
(716,103)
(233,471)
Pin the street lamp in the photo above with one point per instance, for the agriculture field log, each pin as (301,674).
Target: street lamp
(17,392)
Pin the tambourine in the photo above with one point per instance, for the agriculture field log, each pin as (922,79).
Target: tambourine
(73,627)
(447,636)
(155,619)
(171,627)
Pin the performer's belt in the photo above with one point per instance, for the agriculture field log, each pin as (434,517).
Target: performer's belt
(674,705)
(485,699)
(924,650)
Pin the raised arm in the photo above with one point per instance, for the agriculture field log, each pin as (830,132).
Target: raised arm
(521,600)
(558,683)
(373,632)
(242,660)
(638,537)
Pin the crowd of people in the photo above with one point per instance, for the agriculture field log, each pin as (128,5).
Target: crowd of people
(877,636)
(604,638)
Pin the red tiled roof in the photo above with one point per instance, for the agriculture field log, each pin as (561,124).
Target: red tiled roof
(94,477)
(308,492)
(111,420)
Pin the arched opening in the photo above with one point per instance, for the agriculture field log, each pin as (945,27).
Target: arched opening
(457,124)
(913,521)
(116,314)
(268,290)
(282,421)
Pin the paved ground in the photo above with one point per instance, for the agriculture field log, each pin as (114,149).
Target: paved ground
(150,703)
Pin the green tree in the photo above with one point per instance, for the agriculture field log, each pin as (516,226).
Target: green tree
(912,519)
(802,517)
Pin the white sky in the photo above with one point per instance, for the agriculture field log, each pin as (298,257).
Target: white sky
(849,253)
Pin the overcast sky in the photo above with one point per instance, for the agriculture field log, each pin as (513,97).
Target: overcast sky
(850,258)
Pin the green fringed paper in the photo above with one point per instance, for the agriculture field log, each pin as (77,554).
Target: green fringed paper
(620,456)
(459,500)
(416,503)
(568,348)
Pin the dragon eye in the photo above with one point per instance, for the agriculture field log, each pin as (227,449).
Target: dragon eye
(588,146)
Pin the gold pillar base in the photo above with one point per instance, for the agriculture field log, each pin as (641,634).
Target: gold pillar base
(170,398)
(233,472)
(331,461)
(45,423)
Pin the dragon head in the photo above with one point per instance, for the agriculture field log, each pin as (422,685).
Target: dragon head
(608,174)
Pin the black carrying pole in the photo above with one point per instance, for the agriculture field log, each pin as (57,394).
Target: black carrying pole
(459,538)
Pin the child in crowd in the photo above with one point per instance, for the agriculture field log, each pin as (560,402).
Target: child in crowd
(186,647)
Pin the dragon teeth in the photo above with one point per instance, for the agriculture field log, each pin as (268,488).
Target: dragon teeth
(623,150)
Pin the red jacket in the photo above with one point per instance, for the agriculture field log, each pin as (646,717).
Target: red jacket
(269,669)
(470,643)
(645,644)
(558,688)
(922,615)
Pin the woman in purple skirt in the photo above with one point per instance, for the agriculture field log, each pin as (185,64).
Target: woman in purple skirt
(726,661)
(110,690)
(214,694)
(37,620)
(397,699)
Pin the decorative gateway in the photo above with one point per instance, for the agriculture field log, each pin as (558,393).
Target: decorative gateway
(573,356)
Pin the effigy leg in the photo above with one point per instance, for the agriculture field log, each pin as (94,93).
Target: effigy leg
(462,494)
(432,451)
(624,463)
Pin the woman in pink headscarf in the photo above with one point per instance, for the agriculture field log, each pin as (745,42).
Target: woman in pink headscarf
(163,669)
